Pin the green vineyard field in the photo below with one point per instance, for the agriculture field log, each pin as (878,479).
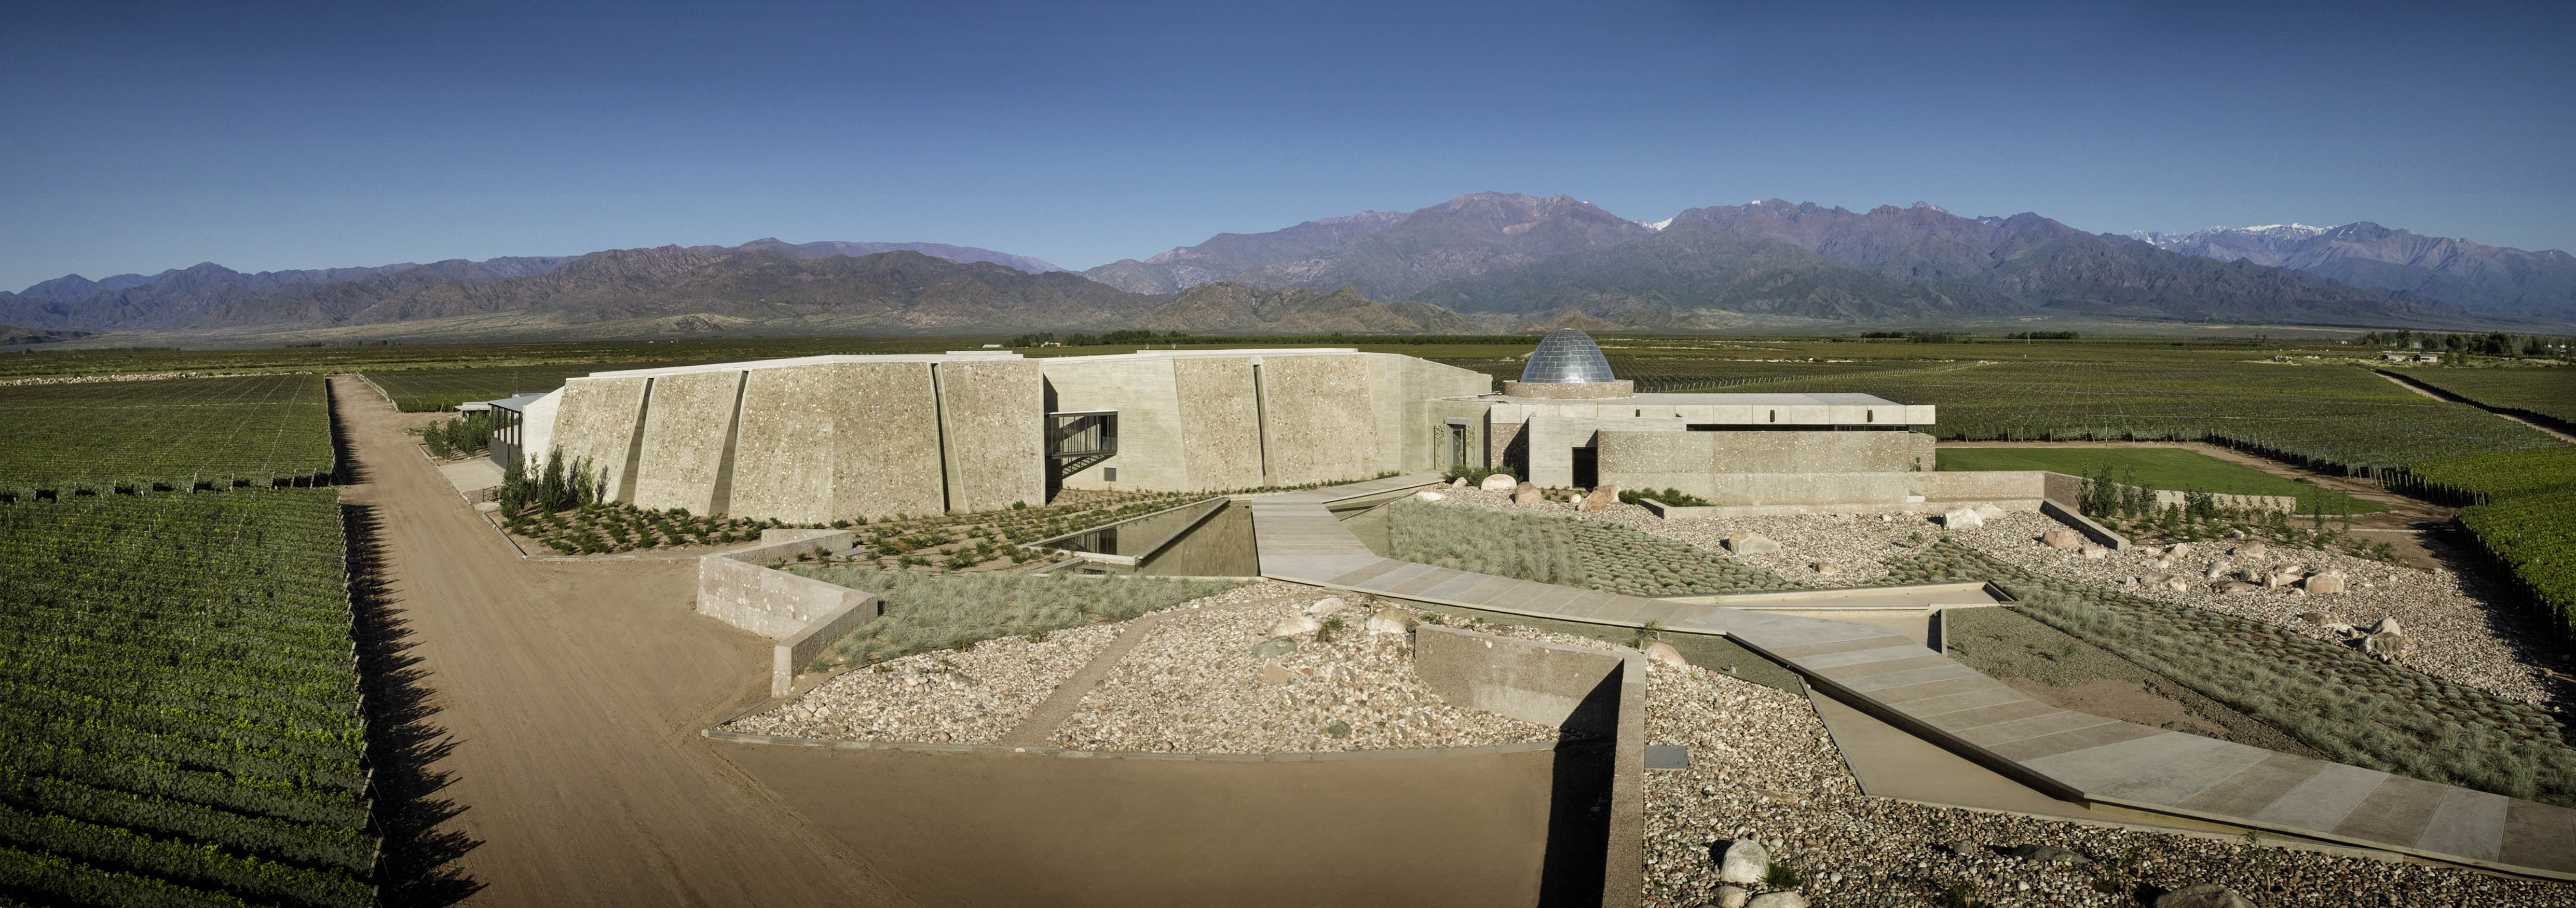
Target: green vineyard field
(178,433)
(420,390)
(2548,392)
(179,705)
(2328,416)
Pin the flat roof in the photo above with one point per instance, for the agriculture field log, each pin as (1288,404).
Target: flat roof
(1684,400)
(951,356)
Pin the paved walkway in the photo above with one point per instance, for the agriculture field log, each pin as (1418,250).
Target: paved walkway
(2071,755)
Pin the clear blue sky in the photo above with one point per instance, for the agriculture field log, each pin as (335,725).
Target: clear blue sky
(262,136)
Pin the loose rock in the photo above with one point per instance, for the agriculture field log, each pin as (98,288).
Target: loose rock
(1390,621)
(1777,900)
(1744,543)
(1274,648)
(1744,862)
(1326,606)
(1730,897)
(2061,539)
(1602,496)
(1499,482)
(1963,519)
(2049,854)
(1294,625)
(1527,494)
(1666,654)
(2328,583)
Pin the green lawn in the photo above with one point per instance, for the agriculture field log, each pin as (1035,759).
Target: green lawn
(2163,468)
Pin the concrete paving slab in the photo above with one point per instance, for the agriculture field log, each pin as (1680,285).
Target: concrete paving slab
(1898,697)
(1362,576)
(1860,656)
(2031,749)
(2026,728)
(1455,587)
(2109,764)
(1945,672)
(1940,710)
(1801,652)
(2539,835)
(2250,789)
(1423,582)
(1998,711)
(2468,824)
(2182,779)
(2324,799)
(1488,591)
(1387,582)
(2396,812)
(1922,658)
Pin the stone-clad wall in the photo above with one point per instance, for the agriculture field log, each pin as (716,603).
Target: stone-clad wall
(1318,419)
(1151,447)
(687,425)
(595,422)
(885,444)
(994,417)
(1220,423)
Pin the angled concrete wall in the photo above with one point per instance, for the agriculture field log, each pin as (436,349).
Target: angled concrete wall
(1660,449)
(1317,418)
(885,451)
(596,420)
(1220,423)
(993,420)
(1152,449)
(688,426)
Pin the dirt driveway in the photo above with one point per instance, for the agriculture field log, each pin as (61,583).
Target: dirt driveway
(571,695)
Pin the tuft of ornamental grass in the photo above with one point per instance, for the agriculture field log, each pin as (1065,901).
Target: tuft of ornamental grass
(926,611)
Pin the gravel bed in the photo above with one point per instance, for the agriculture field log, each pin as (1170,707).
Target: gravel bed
(1195,685)
(2458,634)
(966,696)
(1763,767)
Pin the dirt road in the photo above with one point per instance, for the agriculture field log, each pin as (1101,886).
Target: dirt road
(572,694)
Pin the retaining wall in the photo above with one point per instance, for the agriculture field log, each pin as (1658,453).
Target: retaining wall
(1585,691)
(802,614)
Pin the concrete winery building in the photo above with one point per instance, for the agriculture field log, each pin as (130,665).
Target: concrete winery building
(822,438)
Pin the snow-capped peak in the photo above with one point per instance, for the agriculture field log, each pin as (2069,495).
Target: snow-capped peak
(1656,225)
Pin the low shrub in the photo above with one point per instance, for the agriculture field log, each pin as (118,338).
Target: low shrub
(1583,553)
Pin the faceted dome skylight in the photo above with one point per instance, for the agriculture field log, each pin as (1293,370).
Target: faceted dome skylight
(1567,356)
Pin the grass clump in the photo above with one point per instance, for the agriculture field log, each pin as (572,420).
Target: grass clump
(1565,551)
(925,611)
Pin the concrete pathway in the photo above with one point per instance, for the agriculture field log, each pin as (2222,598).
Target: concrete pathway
(2065,754)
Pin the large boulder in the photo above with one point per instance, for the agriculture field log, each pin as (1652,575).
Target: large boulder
(1428,495)
(2281,578)
(1730,896)
(1660,651)
(1527,494)
(2061,539)
(1390,621)
(1777,900)
(2096,553)
(1499,482)
(1326,606)
(1602,497)
(2325,583)
(1294,625)
(1743,542)
(2203,895)
(1963,519)
(1988,512)
(1458,483)
(2179,551)
(2387,625)
(1745,861)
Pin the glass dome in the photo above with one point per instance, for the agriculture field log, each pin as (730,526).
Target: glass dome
(1567,356)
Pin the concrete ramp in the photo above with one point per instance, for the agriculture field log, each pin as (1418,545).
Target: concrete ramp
(2060,753)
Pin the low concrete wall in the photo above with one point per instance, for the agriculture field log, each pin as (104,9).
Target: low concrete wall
(1980,485)
(2066,514)
(1581,690)
(803,614)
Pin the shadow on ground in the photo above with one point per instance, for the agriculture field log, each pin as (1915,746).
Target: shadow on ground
(417,864)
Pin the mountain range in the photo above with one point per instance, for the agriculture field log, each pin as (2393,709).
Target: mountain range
(1482,261)
(2363,254)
